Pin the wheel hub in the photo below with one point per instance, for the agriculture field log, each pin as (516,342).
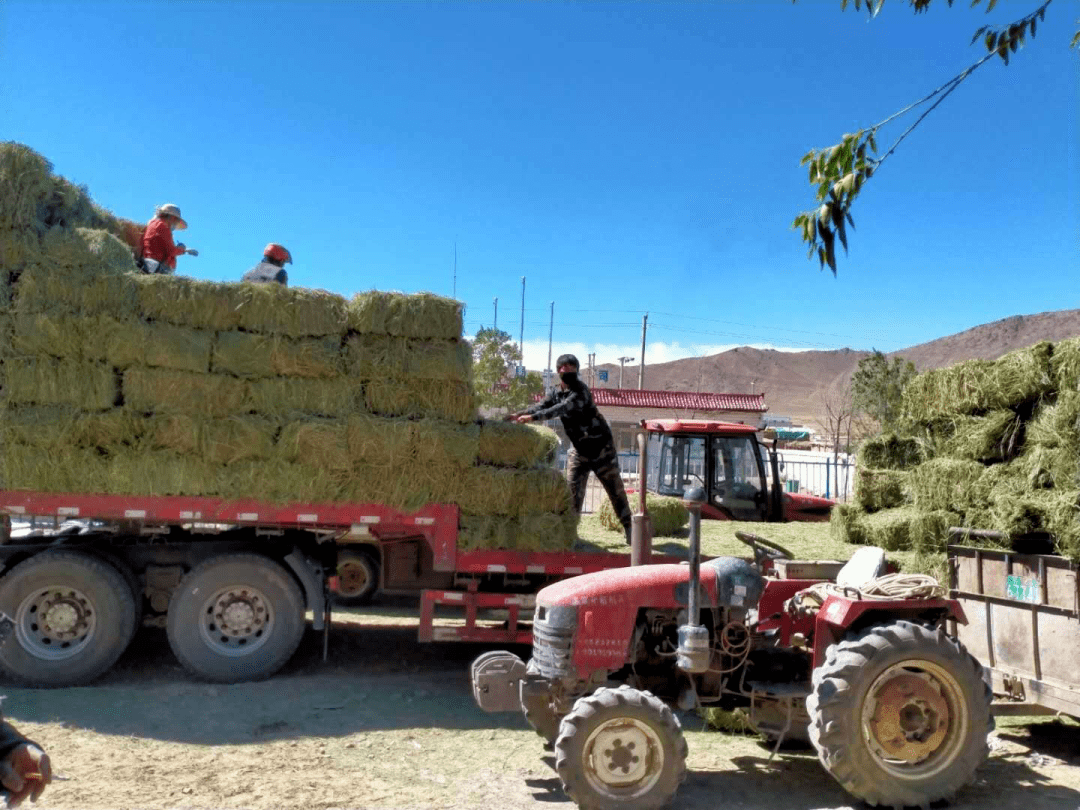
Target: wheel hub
(910,717)
(240,614)
(625,752)
(63,619)
(353,577)
(55,623)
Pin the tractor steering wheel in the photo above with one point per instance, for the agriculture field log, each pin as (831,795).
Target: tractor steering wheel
(764,549)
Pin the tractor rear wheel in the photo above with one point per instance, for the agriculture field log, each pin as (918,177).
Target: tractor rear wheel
(900,715)
(620,749)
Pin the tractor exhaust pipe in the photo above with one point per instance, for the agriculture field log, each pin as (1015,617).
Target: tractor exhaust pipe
(694,651)
(640,530)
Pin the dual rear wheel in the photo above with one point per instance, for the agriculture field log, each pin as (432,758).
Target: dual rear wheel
(234,617)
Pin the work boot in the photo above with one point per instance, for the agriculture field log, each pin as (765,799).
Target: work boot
(627,530)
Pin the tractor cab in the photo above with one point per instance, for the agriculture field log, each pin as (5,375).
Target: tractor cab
(740,476)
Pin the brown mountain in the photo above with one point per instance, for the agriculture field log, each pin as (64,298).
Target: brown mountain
(796,384)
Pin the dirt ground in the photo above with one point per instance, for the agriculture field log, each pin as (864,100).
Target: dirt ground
(390,723)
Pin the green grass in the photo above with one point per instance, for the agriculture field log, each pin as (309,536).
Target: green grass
(806,541)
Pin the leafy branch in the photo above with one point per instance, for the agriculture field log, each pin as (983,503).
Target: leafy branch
(840,171)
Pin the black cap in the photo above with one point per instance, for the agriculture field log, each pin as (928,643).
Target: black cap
(567,360)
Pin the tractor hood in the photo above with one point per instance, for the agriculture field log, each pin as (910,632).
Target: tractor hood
(798,506)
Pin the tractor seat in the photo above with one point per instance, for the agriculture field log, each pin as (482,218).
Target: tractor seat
(865,565)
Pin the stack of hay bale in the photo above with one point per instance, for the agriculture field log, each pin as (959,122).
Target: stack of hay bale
(984,445)
(121,383)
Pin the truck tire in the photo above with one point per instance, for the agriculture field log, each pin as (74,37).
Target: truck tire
(358,577)
(74,616)
(899,715)
(620,749)
(536,706)
(236,617)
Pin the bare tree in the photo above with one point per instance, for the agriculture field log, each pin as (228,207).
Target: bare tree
(840,424)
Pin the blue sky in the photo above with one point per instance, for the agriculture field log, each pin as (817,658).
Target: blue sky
(623,157)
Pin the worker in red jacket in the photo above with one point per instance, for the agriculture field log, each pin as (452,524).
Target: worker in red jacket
(157,244)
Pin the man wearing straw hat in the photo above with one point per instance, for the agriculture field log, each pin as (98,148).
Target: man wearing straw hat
(272,267)
(593,445)
(157,244)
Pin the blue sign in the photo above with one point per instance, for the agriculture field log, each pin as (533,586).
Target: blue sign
(602,374)
(519,371)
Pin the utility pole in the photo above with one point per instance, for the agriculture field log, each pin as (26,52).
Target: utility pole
(622,365)
(455,269)
(592,374)
(641,368)
(496,314)
(521,336)
(551,329)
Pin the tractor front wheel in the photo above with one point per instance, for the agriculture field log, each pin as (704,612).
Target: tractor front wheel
(620,749)
(900,715)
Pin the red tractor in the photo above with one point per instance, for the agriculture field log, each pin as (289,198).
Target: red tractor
(740,476)
(858,663)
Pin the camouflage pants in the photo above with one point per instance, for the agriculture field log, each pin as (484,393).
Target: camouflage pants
(606,467)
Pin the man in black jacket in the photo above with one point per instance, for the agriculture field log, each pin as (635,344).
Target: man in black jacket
(589,433)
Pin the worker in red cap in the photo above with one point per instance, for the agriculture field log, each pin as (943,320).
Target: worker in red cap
(272,267)
(158,250)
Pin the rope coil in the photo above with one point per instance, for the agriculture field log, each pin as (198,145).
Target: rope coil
(891,586)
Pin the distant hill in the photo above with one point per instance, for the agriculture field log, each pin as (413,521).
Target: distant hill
(796,383)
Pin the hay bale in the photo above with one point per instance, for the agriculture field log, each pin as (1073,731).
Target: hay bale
(279,481)
(997,436)
(163,391)
(929,531)
(1065,364)
(288,397)
(1057,423)
(508,444)
(667,515)
(318,443)
(62,427)
(845,526)
(890,451)
(52,469)
(46,381)
(422,315)
(19,248)
(444,448)
(378,441)
(889,529)
(944,483)
(225,306)
(881,489)
(977,386)
(251,355)
(178,347)
(43,289)
(160,473)
(369,356)
(35,199)
(225,440)
(80,252)
(418,398)
(487,490)
(1042,467)
(529,533)
(53,333)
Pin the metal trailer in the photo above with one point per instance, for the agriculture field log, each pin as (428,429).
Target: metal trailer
(1023,615)
(231,581)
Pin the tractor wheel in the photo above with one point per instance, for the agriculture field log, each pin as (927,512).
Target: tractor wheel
(358,577)
(537,708)
(620,749)
(237,617)
(74,616)
(900,715)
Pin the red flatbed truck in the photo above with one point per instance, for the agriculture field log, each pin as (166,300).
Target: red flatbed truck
(232,580)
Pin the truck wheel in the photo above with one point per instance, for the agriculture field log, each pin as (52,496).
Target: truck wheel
(620,749)
(536,705)
(358,577)
(74,616)
(900,715)
(237,617)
